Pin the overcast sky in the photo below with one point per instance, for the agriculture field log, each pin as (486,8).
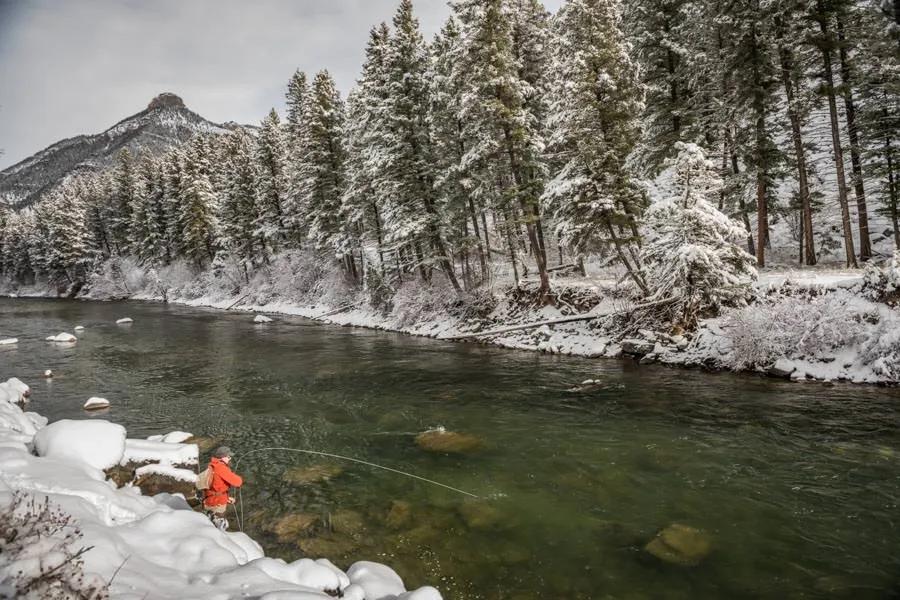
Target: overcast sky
(79,66)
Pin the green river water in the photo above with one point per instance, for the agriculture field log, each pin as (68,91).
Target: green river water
(794,486)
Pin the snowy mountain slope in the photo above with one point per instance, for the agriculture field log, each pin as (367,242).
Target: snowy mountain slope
(165,122)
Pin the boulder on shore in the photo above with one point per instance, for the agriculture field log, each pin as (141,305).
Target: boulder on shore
(448,442)
(681,545)
(637,347)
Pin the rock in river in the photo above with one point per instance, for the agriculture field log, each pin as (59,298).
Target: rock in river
(293,526)
(637,347)
(680,545)
(448,442)
(312,474)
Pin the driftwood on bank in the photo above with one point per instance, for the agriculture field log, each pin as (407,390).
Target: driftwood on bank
(241,299)
(337,310)
(561,320)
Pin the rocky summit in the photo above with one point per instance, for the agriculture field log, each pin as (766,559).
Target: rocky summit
(166,122)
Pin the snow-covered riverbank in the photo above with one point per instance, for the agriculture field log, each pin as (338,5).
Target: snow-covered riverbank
(806,325)
(137,546)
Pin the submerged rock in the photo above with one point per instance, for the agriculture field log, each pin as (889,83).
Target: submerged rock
(448,442)
(312,474)
(294,526)
(347,522)
(204,443)
(680,545)
(399,515)
(332,546)
(480,515)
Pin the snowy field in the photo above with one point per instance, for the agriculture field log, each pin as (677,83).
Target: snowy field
(57,500)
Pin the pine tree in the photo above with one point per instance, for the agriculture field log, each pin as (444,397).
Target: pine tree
(238,214)
(407,181)
(504,144)
(663,37)
(125,195)
(692,253)
(271,183)
(295,123)
(592,196)
(199,207)
(361,207)
(321,174)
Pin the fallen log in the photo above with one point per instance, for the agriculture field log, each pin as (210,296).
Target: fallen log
(233,304)
(561,320)
(337,310)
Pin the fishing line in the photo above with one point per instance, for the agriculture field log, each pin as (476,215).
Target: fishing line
(237,462)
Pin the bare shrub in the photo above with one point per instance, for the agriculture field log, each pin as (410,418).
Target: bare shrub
(40,557)
(794,327)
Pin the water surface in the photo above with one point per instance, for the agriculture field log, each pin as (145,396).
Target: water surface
(796,485)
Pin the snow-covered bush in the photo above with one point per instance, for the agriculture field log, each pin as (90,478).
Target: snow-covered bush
(693,252)
(40,557)
(118,277)
(796,327)
(415,301)
(882,283)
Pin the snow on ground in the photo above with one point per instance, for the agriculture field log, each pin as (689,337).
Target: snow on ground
(97,443)
(156,547)
(165,452)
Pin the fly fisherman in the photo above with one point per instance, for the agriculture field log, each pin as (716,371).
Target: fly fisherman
(221,480)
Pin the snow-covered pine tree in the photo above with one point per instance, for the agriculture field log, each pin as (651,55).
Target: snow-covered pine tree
(198,232)
(504,148)
(175,208)
(664,41)
(139,228)
(592,197)
(271,182)
(407,181)
(822,12)
(750,58)
(361,208)
(321,173)
(878,30)
(295,154)
(692,251)
(125,194)
(237,210)
(461,200)
(68,253)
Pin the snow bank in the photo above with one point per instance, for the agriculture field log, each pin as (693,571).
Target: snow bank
(163,452)
(175,437)
(158,547)
(97,443)
(14,390)
(166,471)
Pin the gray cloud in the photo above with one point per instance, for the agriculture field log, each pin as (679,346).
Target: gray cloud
(77,66)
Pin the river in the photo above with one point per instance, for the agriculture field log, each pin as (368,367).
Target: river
(795,486)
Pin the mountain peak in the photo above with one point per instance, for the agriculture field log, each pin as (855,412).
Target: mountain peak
(166,100)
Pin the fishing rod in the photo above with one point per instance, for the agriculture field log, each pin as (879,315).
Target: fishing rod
(237,462)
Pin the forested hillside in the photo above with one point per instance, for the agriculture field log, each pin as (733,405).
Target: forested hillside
(522,142)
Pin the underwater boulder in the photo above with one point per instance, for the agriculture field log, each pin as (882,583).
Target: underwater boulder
(681,545)
(448,442)
(319,473)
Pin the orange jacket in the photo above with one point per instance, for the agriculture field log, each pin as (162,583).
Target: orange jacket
(221,481)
